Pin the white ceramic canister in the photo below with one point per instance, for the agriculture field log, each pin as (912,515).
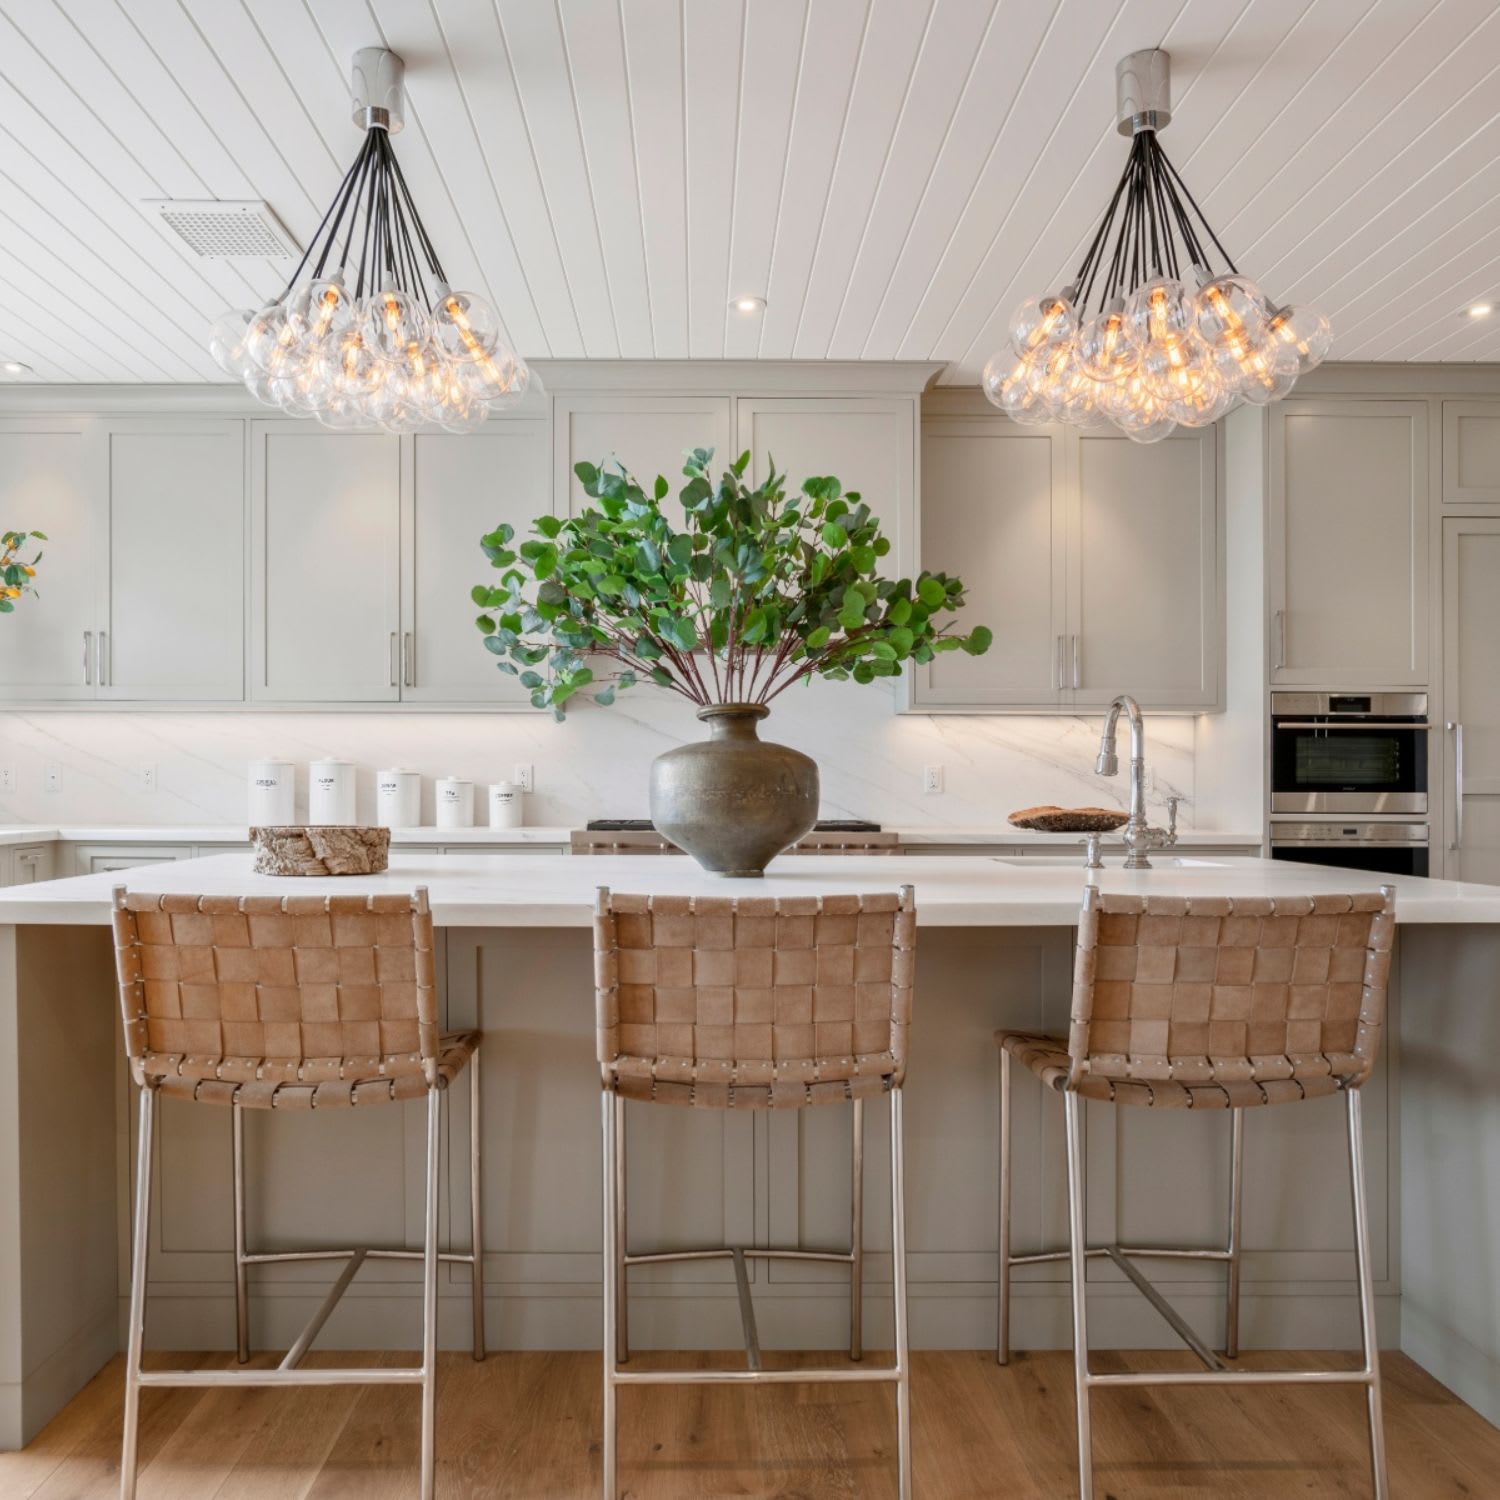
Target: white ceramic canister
(398,799)
(507,809)
(330,794)
(273,793)
(455,803)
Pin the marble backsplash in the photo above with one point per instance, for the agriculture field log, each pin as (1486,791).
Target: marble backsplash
(592,765)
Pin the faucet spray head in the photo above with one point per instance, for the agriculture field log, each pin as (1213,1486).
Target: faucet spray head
(1108,763)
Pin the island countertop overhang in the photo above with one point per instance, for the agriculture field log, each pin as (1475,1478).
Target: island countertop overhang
(952,891)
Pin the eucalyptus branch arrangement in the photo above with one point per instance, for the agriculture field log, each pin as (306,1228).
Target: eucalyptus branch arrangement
(761,589)
(15,575)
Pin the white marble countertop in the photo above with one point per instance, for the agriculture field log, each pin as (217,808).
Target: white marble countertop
(512,890)
(554,835)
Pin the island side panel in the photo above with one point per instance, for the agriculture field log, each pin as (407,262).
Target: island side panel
(1450,1151)
(59,1045)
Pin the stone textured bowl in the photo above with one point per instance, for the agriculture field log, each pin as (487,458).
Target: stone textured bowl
(321,851)
(1069,819)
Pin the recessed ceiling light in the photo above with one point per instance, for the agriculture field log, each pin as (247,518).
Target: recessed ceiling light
(748,304)
(14,367)
(1481,309)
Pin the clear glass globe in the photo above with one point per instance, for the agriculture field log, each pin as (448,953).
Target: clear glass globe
(500,380)
(466,326)
(1152,431)
(994,375)
(1259,373)
(228,341)
(1105,349)
(390,322)
(1208,401)
(1175,369)
(319,310)
(1042,323)
(268,336)
(1159,311)
(1231,309)
(1303,330)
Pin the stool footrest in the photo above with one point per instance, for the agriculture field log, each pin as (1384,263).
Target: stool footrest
(888,1373)
(299,1376)
(1235,1377)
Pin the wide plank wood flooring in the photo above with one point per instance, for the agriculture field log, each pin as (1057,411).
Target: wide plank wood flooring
(528,1425)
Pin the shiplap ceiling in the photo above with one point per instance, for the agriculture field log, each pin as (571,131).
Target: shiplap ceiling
(891,175)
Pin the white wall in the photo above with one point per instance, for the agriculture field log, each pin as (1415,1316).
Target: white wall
(594,764)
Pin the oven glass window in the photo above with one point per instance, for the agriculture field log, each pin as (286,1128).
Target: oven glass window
(1347,761)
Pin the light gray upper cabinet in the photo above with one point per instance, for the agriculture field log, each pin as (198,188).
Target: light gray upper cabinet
(1143,581)
(325,564)
(648,434)
(172,616)
(51,477)
(988,516)
(1471,453)
(1096,562)
(1347,561)
(868,442)
(1471,695)
(461,487)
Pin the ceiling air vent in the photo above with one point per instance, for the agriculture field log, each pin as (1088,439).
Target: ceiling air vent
(221,229)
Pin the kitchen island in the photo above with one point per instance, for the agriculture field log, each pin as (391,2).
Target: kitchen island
(994,949)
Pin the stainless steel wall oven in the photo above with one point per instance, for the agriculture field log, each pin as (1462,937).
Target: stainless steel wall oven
(1341,753)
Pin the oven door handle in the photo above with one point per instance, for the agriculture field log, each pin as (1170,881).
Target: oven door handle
(1382,727)
(1457,730)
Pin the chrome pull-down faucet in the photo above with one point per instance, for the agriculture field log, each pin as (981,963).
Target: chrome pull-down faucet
(1139,835)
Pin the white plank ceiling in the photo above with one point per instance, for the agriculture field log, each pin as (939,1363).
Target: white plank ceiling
(891,175)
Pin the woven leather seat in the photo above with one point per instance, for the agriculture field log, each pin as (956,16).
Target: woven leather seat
(1219,1003)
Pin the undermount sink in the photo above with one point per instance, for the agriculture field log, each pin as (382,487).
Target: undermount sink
(1115,860)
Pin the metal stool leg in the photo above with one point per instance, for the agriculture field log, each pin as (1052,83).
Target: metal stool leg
(1002,1280)
(241,1289)
(622,1241)
(476,1205)
(429,1302)
(1236,1199)
(1368,1335)
(1078,1260)
(611,1259)
(136,1333)
(857,1233)
(898,1257)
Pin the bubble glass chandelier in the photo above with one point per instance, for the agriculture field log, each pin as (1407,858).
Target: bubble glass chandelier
(1157,351)
(367,332)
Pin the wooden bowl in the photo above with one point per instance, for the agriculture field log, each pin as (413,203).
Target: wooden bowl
(1070,819)
(321,851)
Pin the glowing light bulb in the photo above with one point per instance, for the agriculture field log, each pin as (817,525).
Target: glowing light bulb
(1159,311)
(1303,330)
(1105,350)
(1230,309)
(465,325)
(320,310)
(1042,323)
(228,342)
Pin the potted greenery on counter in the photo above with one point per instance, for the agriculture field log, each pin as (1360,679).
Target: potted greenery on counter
(15,575)
(760,590)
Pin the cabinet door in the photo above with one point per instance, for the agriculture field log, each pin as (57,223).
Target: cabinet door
(173,618)
(30,864)
(868,442)
(648,434)
(1471,453)
(462,486)
(988,516)
(52,480)
(1471,698)
(1347,560)
(325,564)
(1143,592)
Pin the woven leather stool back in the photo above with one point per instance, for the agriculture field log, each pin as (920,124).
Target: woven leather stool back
(750,1002)
(1284,997)
(268,989)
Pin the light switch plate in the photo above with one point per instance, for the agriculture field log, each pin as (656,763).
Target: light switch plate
(932,780)
(520,773)
(148,778)
(52,779)
(7,778)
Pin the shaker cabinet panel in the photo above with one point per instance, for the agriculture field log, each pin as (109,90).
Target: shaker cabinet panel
(647,434)
(461,487)
(325,564)
(51,477)
(988,516)
(173,622)
(1471,452)
(1144,582)
(1348,553)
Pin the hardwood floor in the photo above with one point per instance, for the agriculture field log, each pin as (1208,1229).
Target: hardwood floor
(527,1425)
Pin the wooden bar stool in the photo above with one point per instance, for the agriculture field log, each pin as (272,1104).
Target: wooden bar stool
(753,1003)
(1210,1003)
(294,1003)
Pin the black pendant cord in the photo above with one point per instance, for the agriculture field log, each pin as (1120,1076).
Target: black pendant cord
(338,198)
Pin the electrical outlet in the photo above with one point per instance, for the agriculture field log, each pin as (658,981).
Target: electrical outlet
(7,778)
(148,778)
(52,779)
(520,773)
(932,780)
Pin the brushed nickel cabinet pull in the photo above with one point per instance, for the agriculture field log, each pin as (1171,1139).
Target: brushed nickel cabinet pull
(88,658)
(1457,731)
(1077,671)
(1057,664)
(408,659)
(1280,639)
(103,659)
(391,659)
